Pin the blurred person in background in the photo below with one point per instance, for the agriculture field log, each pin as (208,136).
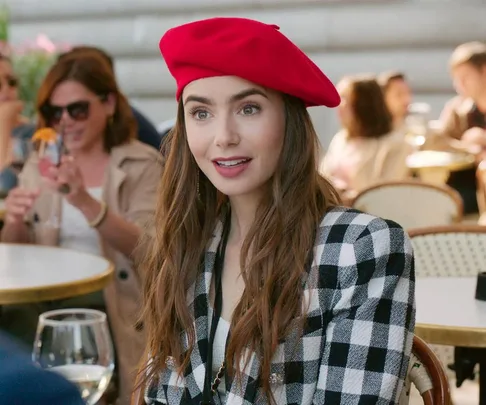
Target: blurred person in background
(398,96)
(367,150)
(22,383)
(463,119)
(147,133)
(14,128)
(112,181)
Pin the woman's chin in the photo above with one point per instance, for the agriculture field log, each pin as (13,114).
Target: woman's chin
(237,188)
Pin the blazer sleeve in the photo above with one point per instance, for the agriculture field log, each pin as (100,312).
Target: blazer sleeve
(21,382)
(369,337)
(141,189)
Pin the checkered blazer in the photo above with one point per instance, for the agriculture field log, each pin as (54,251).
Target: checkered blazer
(356,344)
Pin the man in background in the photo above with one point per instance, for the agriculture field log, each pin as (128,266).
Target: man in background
(398,96)
(147,133)
(22,383)
(463,119)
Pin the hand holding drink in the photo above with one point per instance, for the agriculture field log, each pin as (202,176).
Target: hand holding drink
(51,154)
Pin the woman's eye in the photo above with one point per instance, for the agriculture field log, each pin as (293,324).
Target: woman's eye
(250,109)
(201,115)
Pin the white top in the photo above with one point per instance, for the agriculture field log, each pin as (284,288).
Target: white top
(35,266)
(75,232)
(449,301)
(219,348)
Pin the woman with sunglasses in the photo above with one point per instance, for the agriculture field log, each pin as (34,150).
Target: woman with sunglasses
(259,288)
(15,130)
(105,187)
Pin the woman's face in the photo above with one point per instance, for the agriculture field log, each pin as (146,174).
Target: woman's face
(235,131)
(344,109)
(8,82)
(80,113)
(398,97)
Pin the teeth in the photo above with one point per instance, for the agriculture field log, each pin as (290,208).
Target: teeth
(231,162)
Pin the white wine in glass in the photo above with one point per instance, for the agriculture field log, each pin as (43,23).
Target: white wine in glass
(76,343)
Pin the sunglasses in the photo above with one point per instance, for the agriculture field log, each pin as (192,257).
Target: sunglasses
(78,111)
(10,81)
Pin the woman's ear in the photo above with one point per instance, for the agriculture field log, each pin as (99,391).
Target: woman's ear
(110,104)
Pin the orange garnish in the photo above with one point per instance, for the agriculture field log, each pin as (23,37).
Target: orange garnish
(45,134)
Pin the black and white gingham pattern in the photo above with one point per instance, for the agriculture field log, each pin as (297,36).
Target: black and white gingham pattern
(360,307)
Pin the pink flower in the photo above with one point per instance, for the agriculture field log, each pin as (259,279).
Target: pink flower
(41,44)
(45,43)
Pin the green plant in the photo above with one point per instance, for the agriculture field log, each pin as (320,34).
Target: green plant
(31,67)
(4,23)
(31,61)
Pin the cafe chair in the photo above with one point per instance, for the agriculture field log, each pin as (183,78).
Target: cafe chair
(411,203)
(481,193)
(426,373)
(449,251)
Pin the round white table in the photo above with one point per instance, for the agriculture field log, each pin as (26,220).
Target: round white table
(448,314)
(33,273)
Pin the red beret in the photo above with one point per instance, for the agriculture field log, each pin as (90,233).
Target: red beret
(249,49)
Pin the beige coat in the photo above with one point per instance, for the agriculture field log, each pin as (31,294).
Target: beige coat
(371,160)
(130,190)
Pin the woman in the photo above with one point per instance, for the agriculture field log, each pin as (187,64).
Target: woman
(14,128)
(367,150)
(146,133)
(111,181)
(398,96)
(259,288)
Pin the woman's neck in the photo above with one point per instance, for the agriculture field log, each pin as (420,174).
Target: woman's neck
(243,210)
(92,166)
(398,122)
(91,155)
(481,103)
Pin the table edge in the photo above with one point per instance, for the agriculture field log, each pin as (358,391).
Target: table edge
(451,335)
(453,167)
(58,291)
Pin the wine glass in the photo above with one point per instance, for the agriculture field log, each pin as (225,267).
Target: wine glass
(417,124)
(76,343)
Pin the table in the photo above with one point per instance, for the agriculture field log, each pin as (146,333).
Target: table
(33,273)
(435,166)
(448,314)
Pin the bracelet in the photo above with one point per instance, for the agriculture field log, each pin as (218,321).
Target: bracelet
(100,217)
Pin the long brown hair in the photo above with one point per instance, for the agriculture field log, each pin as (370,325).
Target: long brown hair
(280,241)
(96,75)
(370,115)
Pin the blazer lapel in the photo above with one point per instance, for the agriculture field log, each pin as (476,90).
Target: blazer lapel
(248,391)
(245,392)
(198,302)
